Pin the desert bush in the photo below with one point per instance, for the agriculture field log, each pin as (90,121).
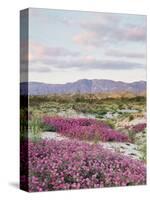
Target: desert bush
(110,123)
(131,136)
(131,117)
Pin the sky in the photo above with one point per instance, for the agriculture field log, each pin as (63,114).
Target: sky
(65,46)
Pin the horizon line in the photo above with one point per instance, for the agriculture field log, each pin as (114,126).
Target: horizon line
(83,79)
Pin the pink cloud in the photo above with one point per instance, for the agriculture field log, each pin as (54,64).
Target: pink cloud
(109,30)
(38,51)
(85,38)
(136,33)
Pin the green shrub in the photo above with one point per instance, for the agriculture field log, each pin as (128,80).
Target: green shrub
(143,149)
(35,126)
(46,127)
(131,136)
(111,123)
(131,117)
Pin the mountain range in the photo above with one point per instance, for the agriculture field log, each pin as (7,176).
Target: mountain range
(82,86)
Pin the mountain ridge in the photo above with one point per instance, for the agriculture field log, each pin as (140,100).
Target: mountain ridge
(82,86)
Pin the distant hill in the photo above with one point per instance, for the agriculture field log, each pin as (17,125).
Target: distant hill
(83,86)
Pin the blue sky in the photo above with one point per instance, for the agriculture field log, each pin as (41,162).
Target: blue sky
(65,46)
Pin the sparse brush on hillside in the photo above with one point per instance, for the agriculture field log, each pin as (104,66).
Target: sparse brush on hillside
(98,107)
(88,98)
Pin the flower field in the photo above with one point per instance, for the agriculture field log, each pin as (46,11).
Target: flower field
(59,165)
(85,129)
(73,144)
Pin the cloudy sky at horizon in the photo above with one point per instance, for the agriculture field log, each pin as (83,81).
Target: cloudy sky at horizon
(65,46)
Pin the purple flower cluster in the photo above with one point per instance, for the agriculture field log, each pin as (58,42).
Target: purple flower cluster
(138,128)
(59,165)
(85,129)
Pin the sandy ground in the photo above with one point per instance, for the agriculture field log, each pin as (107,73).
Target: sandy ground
(127,149)
(138,120)
(52,135)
